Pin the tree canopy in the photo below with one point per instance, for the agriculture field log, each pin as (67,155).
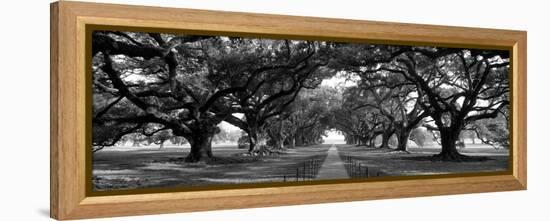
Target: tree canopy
(160,87)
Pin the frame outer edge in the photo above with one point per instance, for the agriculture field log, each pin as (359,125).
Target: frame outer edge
(54,102)
(65,201)
(522,109)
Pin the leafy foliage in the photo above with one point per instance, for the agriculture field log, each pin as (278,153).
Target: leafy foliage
(152,87)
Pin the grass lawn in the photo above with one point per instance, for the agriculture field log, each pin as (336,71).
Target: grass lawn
(129,168)
(142,167)
(418,163)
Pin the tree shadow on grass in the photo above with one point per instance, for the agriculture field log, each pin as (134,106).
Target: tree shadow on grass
(216,160)
(434,158)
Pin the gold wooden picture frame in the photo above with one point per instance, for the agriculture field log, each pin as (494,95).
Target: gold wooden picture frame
(70,143)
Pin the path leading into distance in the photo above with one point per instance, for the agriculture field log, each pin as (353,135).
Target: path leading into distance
(333,167)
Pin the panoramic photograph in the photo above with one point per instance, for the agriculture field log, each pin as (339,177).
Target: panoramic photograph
(176,110)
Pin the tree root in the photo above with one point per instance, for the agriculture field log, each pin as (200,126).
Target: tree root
(265,151)
(234,159)
(194,159)
(457,157)
(399,152)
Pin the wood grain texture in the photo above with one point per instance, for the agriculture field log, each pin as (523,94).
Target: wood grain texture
(54,129)
(520,95)
(68,114)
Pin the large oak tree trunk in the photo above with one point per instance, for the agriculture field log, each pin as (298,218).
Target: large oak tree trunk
(298,140)
(277,137)
(292,141)
(252,140)
(370,142)
(201,146)
(258,142)
(448,146)
(403,139)
(361,141)
(352,140)
(253,134)
(385,140)
(278,142)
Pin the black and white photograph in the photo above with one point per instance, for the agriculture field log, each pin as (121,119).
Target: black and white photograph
(187,110)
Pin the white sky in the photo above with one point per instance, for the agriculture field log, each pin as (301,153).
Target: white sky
(334,137)
(339,80)
(229,127)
